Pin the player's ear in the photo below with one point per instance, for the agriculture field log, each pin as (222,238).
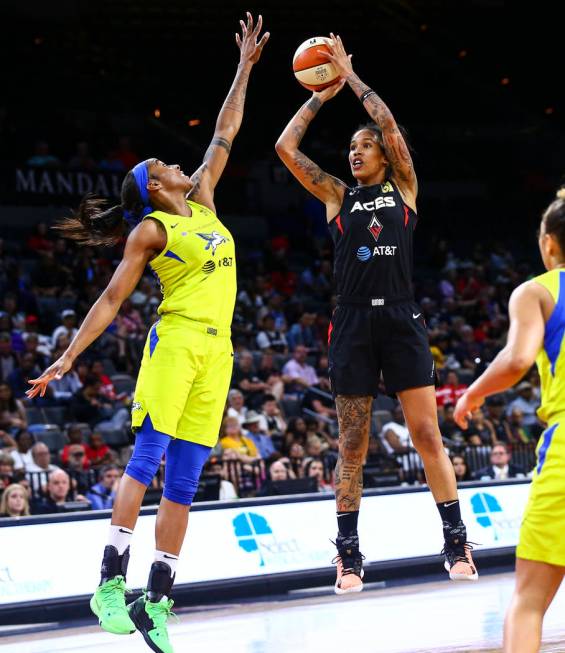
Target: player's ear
(154,185)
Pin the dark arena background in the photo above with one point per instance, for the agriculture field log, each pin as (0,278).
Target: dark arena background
(92,88)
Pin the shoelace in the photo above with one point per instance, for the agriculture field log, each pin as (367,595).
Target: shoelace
(357,561)
(111,598)
(457,552)
(160,612)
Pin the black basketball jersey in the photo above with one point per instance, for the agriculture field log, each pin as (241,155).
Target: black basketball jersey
(373,243)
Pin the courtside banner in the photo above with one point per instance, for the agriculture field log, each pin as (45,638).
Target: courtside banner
(43,561)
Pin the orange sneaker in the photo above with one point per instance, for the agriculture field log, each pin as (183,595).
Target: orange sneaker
(349,565)
(457,551)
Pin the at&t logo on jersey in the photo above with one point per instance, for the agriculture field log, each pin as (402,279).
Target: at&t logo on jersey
(364,253)
(374,205)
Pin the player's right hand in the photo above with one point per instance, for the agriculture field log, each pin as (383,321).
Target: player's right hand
(55,371)
(330,92)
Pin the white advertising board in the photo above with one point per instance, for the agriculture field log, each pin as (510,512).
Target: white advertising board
(48,561)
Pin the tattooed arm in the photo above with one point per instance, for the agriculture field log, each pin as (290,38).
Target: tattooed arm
(229,119)
(326,188)
(396,150)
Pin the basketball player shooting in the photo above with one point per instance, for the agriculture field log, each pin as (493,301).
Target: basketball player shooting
(376,327)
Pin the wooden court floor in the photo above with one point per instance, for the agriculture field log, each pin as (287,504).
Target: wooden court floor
(437,617)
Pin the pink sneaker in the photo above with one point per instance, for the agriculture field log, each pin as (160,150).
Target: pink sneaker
(349,565)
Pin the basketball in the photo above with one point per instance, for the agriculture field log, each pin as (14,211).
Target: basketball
(314,71)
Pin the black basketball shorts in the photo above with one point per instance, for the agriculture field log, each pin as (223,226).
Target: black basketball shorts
(367,340)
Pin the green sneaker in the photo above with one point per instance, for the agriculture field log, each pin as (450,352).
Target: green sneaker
(109,605)
(151,621)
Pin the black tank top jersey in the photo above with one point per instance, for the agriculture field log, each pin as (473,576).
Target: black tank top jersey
(373,235)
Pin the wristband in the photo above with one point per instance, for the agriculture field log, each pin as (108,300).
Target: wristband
(366,94)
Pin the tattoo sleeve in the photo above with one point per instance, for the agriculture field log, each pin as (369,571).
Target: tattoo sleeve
(395,146)
(354,418)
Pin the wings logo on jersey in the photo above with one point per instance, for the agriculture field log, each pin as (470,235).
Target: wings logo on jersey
(213,240)
(387,187)
(375,227)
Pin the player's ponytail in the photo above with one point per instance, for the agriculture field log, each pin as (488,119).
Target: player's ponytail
(554,219)
(94,224)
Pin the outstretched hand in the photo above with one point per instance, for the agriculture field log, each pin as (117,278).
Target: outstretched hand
(329,92)
(247,43)
(464,408)
(55,371)
(338,56)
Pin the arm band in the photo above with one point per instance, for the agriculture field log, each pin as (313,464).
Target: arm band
(366,94)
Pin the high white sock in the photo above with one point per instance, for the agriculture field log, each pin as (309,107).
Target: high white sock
(120,537)
(168,559)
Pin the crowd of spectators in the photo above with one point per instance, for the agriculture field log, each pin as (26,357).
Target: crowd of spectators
(67,450)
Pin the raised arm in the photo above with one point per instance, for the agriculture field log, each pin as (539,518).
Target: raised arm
(525,339)
(396,150)
(229,119)
(143,243)
(325,187)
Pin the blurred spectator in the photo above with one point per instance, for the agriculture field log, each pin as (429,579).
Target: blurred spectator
(261,439)
(279,470)
(90,406)
(272,420)
(58,492)
(31,346)
(461,468)
(450,392)
(6,470)
(270,339)
(519,432)
(19,378)
(32,329)
(12,411)
(236,405)
(296,455)
(315,468)
(66,387)
(22,455)
(14,502)
(480,431)
(296,431)
(525,402)
(495,411)
(107,387)
(82,158)
(8,359)
(297,374)
(500,467)
(447,425)
(319,401)
(67,327)
(231,437)
(41,157)
(303,333)
(271,375)
(41,457)
(247,381)
(395,435)
(40,240)
(468,352)
(97,451)
(103,494)
(214,467)
(125,154)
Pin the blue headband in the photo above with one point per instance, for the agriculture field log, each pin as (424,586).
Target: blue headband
(141,175)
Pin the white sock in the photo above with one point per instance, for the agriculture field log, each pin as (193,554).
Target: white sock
(120,537)
(168,559)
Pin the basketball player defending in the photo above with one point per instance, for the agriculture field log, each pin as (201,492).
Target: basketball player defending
(376,326)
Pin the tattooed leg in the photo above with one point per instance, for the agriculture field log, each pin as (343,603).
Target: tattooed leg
(354,418)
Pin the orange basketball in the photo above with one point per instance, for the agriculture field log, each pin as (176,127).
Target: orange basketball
(311,69)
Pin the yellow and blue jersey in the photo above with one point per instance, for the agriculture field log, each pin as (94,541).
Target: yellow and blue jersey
(196,269)
(542,535)
(551,359)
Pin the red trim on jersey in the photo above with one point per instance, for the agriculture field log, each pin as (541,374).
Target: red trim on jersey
(330,329)
(405,216)
(338,222)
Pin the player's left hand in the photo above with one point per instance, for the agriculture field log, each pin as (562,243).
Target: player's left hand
(247,43)
(338,56)
(464,407)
